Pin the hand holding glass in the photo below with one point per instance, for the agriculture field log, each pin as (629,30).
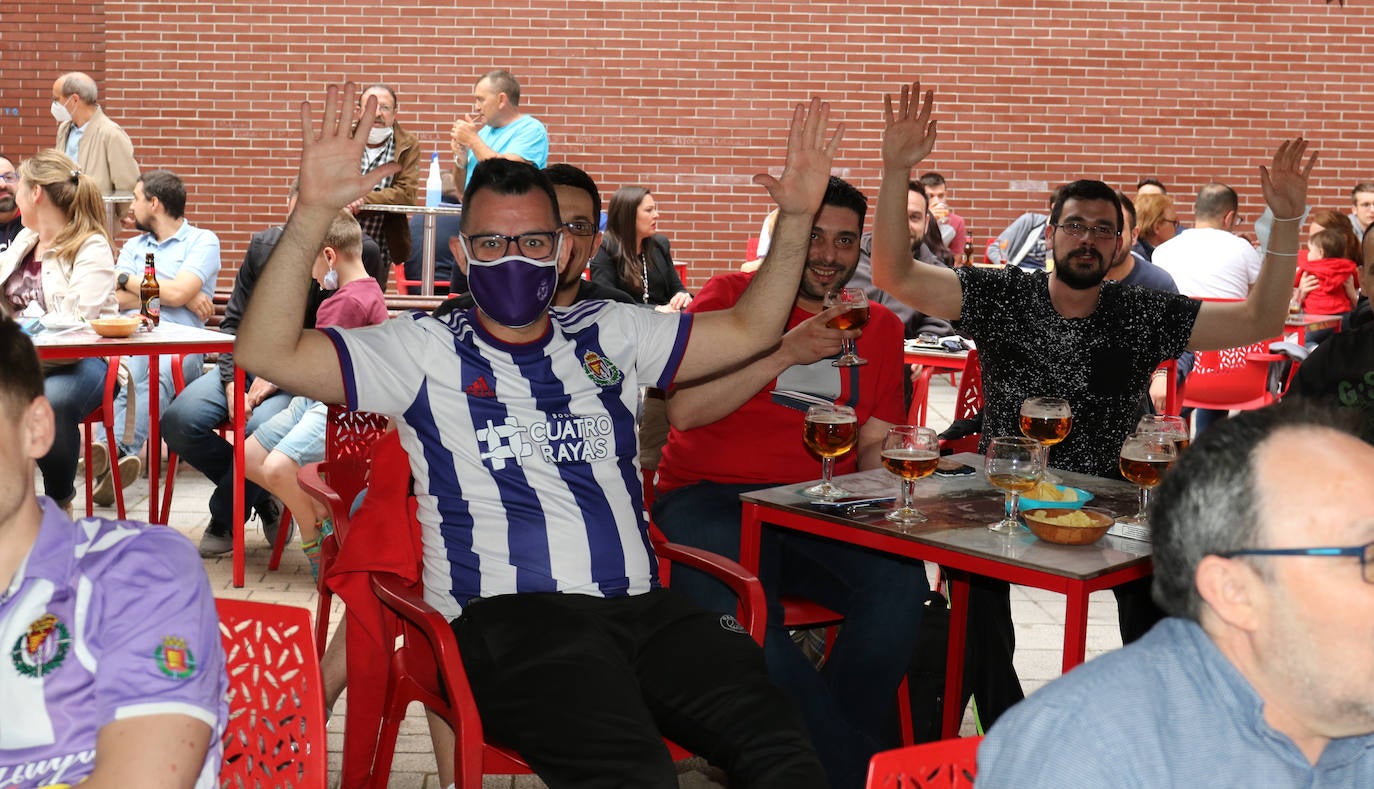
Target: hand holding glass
(855,318)
(1144,459)
(911,453)
(1013,464)
(831,431)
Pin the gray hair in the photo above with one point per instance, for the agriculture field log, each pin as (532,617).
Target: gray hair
(82,85)
(503,81)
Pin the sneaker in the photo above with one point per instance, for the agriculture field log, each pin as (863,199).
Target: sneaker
(269,513)
(212,544)
(129,469)
(100,459)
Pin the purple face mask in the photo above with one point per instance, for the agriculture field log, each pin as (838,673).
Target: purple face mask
(514,291)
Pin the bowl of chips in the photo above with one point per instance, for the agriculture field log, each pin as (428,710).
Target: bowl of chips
(1064,526)
(116,327)
(1047,495)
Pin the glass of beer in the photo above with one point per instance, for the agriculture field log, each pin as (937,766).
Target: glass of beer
(1175,427)
(1047,420)
(911,453)
(1144,459)
(1014,464)
(831,431)
(856,318)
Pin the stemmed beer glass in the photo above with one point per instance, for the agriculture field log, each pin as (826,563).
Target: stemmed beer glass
(1144,459)
(855,318)
(911,453)
(1175,427)
(1047,420)
(831,431)
(1014,464)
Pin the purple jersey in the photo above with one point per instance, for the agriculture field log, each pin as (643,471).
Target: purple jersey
(105,620)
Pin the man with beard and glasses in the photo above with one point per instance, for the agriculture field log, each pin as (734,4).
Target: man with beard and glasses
(519,424)
(848,704)
(388,142)
(187,264)
(10,222)
(1069,334)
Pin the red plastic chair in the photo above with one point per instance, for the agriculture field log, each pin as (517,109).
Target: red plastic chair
(402,284)
(967,403)
(275,735)
(426,665)
(1234,378)
(336,482)
(104,415)
(947,764)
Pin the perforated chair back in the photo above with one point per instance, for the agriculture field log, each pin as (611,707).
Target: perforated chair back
(275,736)
(947,764)
(967,403)
(1232,378)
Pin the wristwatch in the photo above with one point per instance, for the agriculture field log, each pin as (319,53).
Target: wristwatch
(123,279)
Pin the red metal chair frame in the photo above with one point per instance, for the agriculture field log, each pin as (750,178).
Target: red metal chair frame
(967,403)
(276,730)
(104,415)
(947,764)
(399,271)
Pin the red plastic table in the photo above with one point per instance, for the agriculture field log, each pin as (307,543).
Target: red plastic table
(933,361)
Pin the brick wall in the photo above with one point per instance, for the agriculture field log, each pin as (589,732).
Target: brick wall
(691,98)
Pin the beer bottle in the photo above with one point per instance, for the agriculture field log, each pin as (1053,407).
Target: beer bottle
(149,293)
(967,262)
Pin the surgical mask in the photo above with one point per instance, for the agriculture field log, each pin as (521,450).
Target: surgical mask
(514,291)
(60,113)
(331,280)
(378,135)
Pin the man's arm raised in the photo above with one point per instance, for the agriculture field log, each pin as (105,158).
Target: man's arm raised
(908,137)
(1261,315)
(720,340)
(271,342)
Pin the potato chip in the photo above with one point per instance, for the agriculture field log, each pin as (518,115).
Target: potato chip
(1046,491)
(1077,519)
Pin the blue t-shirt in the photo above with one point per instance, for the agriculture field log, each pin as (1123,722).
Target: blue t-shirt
(525,137)
(189,249)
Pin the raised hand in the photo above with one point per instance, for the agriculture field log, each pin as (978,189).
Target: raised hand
(331,161)
(806,173)
(909,134)
(1285,180)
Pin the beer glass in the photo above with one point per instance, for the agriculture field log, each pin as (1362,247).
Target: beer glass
(1047,420)
(1175,427)
(1144,459)
(911,453)
(1014,464)
(856,318)
(831,431)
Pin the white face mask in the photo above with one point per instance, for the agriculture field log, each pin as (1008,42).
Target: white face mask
(331,280)
(378,134)
(60,113)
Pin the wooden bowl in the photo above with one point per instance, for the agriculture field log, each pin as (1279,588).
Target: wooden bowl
(1068,535)
(115,327)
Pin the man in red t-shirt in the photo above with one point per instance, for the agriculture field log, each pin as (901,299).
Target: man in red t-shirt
(730,434)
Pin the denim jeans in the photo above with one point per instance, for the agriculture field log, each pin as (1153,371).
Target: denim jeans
(138,372)
(188,427)
(847,704)
(74,391)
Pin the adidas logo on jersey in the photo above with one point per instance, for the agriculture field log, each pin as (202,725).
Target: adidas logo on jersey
(479,388)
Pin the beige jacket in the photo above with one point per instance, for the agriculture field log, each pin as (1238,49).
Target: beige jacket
(90,277)
(104,152)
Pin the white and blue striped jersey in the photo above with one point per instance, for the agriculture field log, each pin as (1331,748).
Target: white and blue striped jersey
(525,457)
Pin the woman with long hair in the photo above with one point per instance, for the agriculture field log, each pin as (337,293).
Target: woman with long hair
(634,257)
(63,262)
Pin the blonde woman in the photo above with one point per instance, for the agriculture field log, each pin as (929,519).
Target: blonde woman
(63,261)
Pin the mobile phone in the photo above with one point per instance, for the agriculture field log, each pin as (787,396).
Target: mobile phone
(852,501)
(952,468)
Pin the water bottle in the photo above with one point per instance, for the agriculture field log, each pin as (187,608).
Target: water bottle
(434,185)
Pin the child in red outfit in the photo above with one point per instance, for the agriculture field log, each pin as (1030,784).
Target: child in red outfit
(1336,276)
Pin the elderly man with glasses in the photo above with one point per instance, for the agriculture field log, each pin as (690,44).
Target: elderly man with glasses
(10,222)
(1260,675)
(388,142)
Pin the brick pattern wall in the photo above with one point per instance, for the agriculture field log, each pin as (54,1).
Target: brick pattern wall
(692,98)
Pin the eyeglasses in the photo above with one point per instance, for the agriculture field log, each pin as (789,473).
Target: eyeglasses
(1365,553)
(1077,229)
(1173,222)
(580,228)
(380,107)
(487,247)
(9,178)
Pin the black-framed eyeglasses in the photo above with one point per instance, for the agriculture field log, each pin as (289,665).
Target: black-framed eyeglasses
(1173,222)
(9,178)
(1077,229)
(487,247)
(579,228)
(1365,553)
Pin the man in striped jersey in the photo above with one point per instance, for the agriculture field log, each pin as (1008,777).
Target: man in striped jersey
(111,670)
(519,421)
